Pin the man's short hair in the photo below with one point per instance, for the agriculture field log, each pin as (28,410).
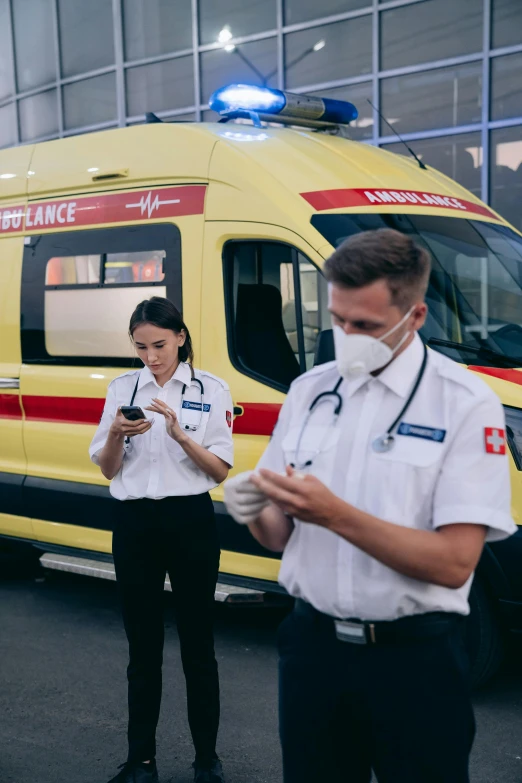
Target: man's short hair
(384,254)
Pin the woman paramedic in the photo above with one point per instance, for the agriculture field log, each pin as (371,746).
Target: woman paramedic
(161,469)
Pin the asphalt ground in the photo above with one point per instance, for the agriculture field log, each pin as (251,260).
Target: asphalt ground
(63,691)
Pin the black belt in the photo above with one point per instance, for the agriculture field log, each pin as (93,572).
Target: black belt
(358,631)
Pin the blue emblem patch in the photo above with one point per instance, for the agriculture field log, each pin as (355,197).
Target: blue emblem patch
(196,406)
(418,431)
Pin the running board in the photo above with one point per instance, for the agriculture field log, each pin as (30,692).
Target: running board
(231,594)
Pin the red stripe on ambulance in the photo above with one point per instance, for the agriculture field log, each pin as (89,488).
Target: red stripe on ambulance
(360,197)
(105,208)
(10,406)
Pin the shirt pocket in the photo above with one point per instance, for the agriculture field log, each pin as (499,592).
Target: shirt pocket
(197,435)
(405,479)
(316,445)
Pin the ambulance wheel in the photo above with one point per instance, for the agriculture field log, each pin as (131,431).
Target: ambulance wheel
(483,638)
(18,560)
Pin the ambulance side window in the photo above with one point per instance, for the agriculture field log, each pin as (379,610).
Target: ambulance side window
(79,289)
(276,307)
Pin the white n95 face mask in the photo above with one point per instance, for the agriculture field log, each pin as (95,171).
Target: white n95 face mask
(360,354)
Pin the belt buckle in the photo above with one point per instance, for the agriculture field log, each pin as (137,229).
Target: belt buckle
(355,632)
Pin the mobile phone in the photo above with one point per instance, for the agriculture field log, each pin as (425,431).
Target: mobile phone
(132,412)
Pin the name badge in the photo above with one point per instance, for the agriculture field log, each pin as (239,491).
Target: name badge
(196,406)
(418,431)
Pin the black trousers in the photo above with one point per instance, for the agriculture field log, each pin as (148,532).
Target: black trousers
(401,709)
(152,537)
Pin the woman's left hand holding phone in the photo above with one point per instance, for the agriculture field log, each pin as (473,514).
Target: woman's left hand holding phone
(111,456)
(123,427)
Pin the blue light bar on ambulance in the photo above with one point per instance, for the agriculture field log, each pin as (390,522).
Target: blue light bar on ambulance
(237,98)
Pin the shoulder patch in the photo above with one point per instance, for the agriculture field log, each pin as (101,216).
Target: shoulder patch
(202,374)
(134,373)
(450,370)
(320,369)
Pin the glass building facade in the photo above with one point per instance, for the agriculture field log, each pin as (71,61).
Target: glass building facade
(446,74)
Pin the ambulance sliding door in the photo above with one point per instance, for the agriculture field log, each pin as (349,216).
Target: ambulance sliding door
(79,289)
(13,519)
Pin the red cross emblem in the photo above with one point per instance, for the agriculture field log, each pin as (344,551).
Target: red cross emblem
(495,440)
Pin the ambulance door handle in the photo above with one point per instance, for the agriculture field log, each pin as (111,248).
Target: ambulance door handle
(9,383)
(115,174)
(238,410)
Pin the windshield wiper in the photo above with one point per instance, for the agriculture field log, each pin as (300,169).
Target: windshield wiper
(485,353)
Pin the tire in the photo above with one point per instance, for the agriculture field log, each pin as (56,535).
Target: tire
(482,636)
(19,560)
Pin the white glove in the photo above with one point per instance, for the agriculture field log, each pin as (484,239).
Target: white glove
(244,501)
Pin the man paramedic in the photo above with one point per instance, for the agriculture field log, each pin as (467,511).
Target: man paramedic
(385,475)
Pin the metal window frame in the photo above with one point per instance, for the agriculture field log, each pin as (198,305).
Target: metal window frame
(372,9)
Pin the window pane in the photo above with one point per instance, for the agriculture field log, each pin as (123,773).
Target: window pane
(90,101)
(38,115)
(459,157)
(475,292)
(144,267)
(153,27)
(261,291)
(73,270)
(7,125)
(434,99)
(34,43)
(345,50)
(506,23)
(6,70)
(506,86)
(506,173)
(431,30)
(314,307)
(86,35)
(92,321)
(305,10)
(160,87)
(239,17)
(219,67)
(358,94)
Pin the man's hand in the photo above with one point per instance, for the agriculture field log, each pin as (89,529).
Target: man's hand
(243,500)
(301,496)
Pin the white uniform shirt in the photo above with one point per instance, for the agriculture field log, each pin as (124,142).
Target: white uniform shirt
(421,483)
(154,465)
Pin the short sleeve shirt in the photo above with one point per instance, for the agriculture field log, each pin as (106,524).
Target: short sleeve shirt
(154,465)
(449,464)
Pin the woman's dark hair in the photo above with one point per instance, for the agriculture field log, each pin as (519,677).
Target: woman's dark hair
(161,312)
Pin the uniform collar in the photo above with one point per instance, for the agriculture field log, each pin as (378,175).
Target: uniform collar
(183,374)
(401,373)
(398,375)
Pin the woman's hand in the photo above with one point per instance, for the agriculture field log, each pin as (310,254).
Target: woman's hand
(171,420)
(123,428)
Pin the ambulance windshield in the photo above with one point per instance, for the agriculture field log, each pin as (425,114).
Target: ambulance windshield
(475,292)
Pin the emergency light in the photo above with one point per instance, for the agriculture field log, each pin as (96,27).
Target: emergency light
(264,103)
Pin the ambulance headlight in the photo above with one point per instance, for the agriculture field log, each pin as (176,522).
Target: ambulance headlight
(288,105)
(514,433)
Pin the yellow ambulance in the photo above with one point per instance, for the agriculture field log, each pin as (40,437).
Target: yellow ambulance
(232,221)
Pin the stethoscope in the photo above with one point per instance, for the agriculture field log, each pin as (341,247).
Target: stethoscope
(381,445)
(190,405)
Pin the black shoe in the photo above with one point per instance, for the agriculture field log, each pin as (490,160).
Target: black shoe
(134,772)
(208,773)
